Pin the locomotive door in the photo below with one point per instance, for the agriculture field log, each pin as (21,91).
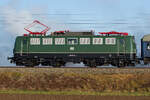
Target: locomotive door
(25,45)
(121,47)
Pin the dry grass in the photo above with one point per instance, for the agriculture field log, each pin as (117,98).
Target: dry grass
(92,80)
(49,97)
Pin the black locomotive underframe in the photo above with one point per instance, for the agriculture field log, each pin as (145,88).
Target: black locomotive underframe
(57,60)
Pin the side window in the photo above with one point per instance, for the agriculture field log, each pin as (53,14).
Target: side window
(72,41)
(59,41)
(84,40)
(110,41)
(97,40)
(148,46)
(47,41)
(35,41)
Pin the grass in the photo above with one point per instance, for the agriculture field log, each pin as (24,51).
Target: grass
(116,93)
(76,81)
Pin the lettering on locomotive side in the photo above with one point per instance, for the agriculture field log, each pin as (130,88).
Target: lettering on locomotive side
(34,41)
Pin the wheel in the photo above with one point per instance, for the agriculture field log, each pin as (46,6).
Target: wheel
(58,64)
(132,64)
(145,62)
(92,64)
(31,63)
(121,65)
(19,64)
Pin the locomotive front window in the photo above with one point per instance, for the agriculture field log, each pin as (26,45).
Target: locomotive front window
(72,41)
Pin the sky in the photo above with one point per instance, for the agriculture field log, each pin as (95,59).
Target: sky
(132,16)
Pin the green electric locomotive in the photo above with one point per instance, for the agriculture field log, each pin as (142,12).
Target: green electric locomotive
(117,49)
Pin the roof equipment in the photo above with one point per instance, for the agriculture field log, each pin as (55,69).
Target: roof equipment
(43,32)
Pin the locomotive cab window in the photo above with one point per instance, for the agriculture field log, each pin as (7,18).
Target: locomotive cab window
(148,46)
(72,41)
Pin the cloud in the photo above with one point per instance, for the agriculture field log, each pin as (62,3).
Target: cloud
(12,24)
(16,20)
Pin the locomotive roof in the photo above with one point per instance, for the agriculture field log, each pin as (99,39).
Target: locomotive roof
(73,33)
(146,37)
